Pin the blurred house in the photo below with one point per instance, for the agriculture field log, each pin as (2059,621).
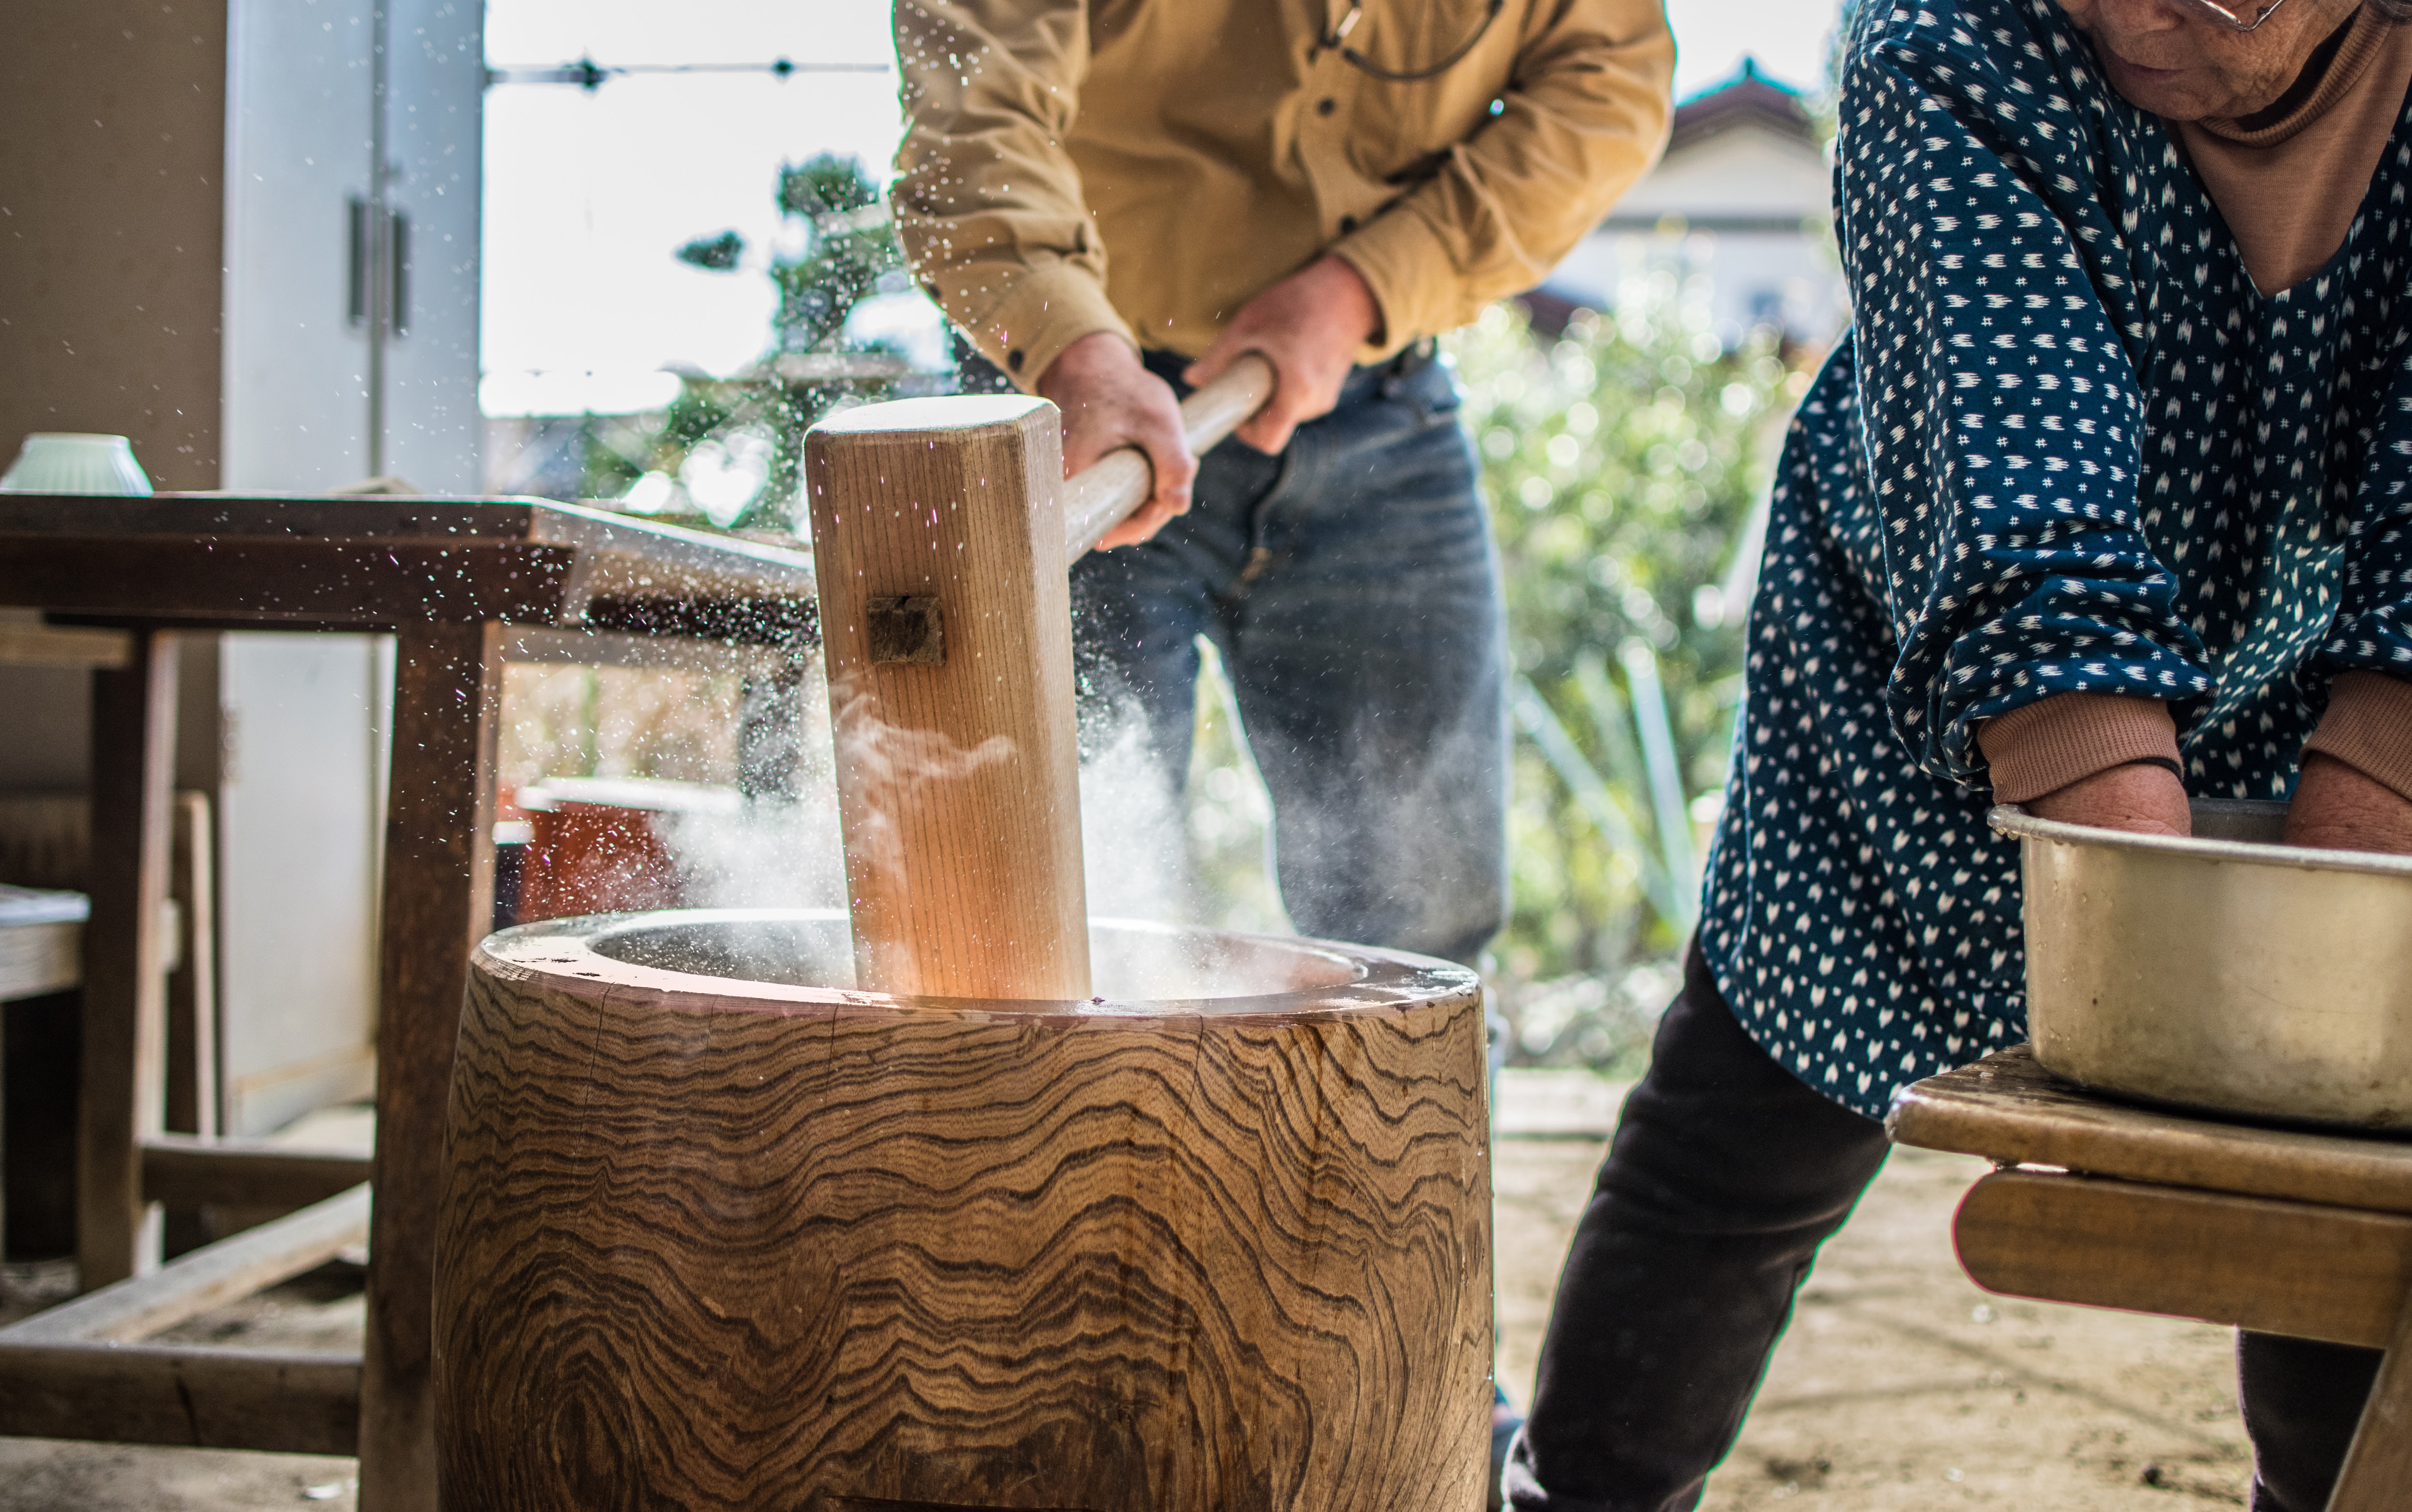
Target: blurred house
(1744,199)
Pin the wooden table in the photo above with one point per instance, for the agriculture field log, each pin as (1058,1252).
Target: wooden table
(464,585)
(2109,1205)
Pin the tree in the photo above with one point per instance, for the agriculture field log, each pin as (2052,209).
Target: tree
(1623,461)
(731,449)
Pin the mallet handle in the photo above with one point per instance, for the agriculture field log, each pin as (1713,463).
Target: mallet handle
(1098,499)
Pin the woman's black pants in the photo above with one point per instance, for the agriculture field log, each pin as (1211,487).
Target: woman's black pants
(1726,1174)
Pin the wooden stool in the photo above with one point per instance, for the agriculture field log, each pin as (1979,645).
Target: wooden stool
(2275,1230)
(757,1243)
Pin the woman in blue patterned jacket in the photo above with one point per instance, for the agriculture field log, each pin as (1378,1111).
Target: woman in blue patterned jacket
(2104,501)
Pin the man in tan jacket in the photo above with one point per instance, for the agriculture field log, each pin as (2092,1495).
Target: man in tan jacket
(1114,199)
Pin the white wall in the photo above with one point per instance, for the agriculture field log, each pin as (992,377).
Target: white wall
(301,796)
(1766,272)
(1745,170)
(433,435)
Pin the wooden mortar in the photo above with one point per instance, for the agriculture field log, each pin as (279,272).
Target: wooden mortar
(724,1232)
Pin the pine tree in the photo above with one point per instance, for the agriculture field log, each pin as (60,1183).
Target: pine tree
(845,252)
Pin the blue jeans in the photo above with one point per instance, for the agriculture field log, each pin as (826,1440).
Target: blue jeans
(1350,587)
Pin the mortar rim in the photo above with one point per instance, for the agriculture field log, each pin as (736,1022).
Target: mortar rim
(1385,981)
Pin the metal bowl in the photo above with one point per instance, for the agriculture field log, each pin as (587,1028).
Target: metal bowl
(2227,973)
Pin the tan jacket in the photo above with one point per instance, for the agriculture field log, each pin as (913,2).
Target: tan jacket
(1147,166)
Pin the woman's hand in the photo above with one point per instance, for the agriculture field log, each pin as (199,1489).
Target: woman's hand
(2337,808)
(2138,798)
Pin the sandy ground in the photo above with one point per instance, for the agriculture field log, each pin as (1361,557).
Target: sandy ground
(1903,1387)
(1900,1385)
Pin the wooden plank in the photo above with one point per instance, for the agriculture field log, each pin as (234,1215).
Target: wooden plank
(2011,1110)
(269,582)
(125,983)
(267,514)
(192,1092)
(614,554)
(439,897)
(185,1172)
(789,624)
(2378,1466)
(35,958)
(623,556)
(958,774)
(588,646)
(2290,1268)
(209,1277)
(53,645)
(194,1395)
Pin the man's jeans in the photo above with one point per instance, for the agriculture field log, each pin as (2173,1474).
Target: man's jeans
(1725,1175)
(1350,587)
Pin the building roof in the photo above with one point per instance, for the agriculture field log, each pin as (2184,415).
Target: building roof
(1748,99)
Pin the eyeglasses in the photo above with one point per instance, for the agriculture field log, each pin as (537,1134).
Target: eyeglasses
(2236,18)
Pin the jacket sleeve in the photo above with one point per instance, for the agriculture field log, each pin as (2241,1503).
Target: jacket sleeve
(2372,629)
(2002,420)
(1582,117)
(987,202)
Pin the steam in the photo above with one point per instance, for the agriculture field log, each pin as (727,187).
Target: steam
(787,853)
(1183,850)
(906,766)
(1133,856)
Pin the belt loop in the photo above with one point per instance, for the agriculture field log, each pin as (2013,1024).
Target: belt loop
(1412,358)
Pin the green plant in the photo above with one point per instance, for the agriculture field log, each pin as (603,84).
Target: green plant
(730,450)
(1623,461)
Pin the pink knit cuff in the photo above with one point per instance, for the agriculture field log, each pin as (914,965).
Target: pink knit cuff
(2067,738)
(2369,728)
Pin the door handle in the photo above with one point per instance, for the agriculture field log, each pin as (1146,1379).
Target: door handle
(397,255)
(356,282)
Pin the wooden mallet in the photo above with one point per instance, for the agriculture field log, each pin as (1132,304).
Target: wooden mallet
(942,532)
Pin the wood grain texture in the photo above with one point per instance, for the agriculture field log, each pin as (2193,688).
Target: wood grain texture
(184,1170)
(440,897)
(958,783)
(192,1047)
(210,1277)
(204,1396)
(391,563)
(760,1246)
(2290,1268)
(2009,1109)
(124,1079)
(2378,1464)
(36,959)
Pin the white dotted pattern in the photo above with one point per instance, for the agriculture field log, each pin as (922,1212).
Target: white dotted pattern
(2067,448)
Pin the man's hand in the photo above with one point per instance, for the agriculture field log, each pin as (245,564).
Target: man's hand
(1110,400)
(1310,326)
(2143,799)
(2337,808)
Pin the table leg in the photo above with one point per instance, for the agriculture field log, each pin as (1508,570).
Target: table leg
(124,987)
(440,888)
(2379,1467)
(192,1092)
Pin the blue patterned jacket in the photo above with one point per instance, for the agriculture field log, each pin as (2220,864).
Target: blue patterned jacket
(2068,447)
